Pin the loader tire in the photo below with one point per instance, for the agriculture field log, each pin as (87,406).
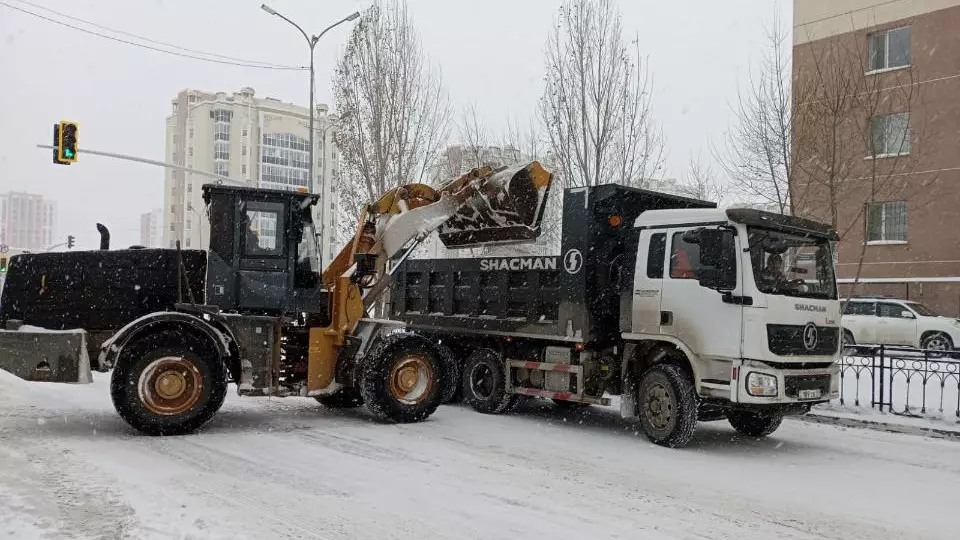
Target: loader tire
(755,424)
(344,398)
(168,383)
(667,405)
(402,379)
(485,383)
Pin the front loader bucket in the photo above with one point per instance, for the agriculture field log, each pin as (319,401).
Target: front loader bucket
(507,209)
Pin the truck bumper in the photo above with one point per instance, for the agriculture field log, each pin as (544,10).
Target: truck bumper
(35,354)
(793,386)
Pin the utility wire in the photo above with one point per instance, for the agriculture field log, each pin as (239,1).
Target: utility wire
(242,63)
(148,40)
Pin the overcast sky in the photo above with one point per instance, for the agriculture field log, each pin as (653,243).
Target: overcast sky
(490,51)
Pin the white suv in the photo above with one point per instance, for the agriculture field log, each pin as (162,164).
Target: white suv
(889,321)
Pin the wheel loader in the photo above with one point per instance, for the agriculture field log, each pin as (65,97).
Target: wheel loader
(267,317)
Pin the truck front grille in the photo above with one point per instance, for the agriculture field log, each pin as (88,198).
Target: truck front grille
(787,340)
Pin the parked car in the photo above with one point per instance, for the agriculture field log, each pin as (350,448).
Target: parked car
(889,321)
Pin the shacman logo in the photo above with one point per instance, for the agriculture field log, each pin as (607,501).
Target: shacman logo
(572,261)
(810,307)
(519,263)
(810,336)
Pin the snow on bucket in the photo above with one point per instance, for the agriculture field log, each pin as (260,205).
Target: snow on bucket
(506,209)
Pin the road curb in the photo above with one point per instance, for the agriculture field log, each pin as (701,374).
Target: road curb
(879,426)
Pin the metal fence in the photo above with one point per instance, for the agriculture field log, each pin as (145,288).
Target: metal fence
(901,380)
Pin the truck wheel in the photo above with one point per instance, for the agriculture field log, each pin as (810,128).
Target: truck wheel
(755,424)
(344,398)
(485,383)
(403,379)
(667,405)
(451,375)
(168,384)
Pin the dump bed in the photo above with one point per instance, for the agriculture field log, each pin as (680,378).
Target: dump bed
(573,296)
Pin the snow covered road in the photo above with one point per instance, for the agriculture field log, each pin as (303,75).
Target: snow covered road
(70,468)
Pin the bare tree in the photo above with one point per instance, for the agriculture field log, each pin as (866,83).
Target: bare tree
(757,150)
(394,109)
(596,104)
(701,182)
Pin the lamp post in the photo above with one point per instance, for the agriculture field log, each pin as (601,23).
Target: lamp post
(312,43)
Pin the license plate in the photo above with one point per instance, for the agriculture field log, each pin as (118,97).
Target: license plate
(809,394)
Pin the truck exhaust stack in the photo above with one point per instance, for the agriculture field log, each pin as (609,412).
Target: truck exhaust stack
(507,208)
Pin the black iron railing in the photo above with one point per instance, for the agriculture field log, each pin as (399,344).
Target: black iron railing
(901,380)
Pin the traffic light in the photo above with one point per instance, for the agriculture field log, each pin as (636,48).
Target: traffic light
(67,144)
(56,145)
(70,242)
(3,265)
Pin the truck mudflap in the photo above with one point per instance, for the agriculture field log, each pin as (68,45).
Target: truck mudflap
(41,355)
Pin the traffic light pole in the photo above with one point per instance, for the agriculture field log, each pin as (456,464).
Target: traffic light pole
(219,178)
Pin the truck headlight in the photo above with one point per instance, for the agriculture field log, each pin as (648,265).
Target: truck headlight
(761,384)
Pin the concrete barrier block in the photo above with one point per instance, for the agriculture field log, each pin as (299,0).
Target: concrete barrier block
(36,354)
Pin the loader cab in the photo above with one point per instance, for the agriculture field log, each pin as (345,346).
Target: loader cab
(263,251)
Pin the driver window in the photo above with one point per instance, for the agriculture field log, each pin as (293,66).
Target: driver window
(263,234)
(684,258)
(893,311)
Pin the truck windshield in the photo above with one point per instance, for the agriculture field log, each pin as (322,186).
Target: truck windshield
(792,265)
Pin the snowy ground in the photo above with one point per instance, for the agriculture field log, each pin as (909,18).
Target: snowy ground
(70,468)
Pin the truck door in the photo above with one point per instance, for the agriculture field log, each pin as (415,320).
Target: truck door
(648,281)
(707,321)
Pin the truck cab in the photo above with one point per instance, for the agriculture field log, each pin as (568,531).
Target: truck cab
(750,299)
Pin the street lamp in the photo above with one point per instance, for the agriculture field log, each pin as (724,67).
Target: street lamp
(311,42)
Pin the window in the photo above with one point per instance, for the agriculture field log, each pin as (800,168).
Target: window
(221,150)
(859,308)
(221,168)
(190,151)
(887,222)
(191,133)
(891,310)
(890,49)
(221,115)
(173,227)
(685,258)
(264,226)
(890,135)
(243,169)
(243,150)
(243,132)
(658,248)
(173,209)
(190,188)
(189,207)
(188,242)
(221,131)
(188,225)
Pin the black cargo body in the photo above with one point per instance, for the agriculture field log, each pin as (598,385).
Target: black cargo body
(99,291)
(573,296)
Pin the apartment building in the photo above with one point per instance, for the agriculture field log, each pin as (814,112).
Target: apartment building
(875,86)
(27,221)
(151,228)
(258,142)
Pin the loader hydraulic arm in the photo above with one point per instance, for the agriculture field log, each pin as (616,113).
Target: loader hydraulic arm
(494,204)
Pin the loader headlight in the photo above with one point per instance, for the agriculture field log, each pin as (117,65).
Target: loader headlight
(761,384)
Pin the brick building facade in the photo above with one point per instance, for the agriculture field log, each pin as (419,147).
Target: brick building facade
(876,139)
